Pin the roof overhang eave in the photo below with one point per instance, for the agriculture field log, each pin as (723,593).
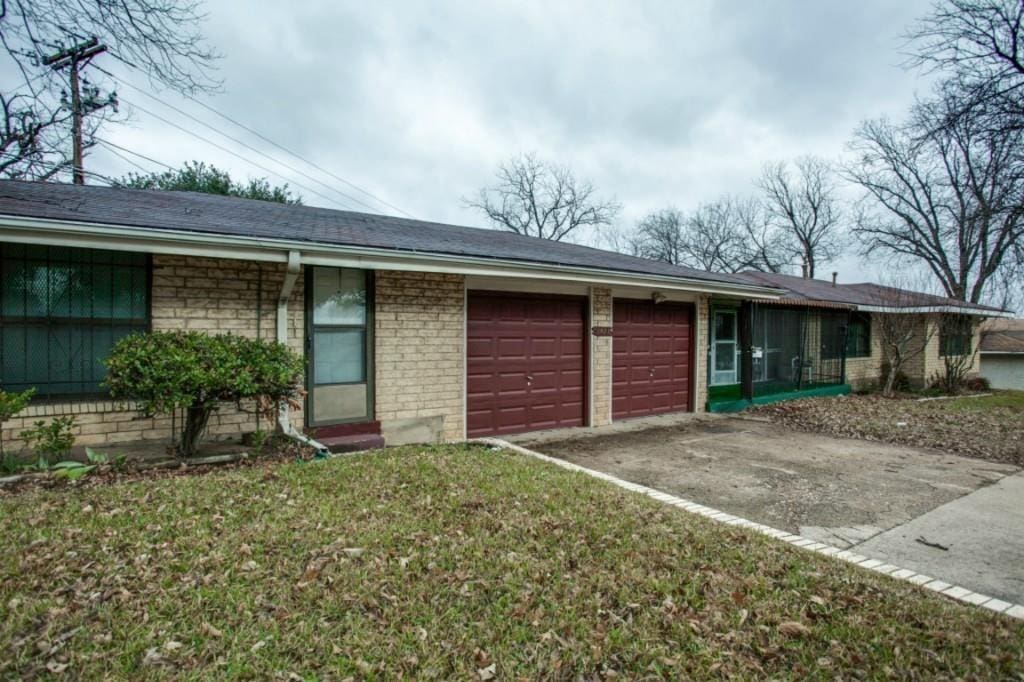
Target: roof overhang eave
(212,245)
(952,309)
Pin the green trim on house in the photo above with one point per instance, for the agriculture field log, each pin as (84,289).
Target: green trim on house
(724,400)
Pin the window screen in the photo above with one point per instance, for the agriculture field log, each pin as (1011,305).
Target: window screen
(858,336)
(62,310)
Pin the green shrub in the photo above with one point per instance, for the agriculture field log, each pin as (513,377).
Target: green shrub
(10,405)
(50,441)
(166,371)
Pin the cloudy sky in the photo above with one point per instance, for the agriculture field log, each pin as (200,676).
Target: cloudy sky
(658,103)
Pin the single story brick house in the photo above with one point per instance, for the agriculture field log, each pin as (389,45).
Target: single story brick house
(1002,353)
(412,331)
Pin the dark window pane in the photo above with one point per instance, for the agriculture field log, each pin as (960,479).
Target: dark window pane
(725,326)
(62,311)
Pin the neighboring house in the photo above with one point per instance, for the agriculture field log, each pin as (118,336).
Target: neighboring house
(412,330)
(822,338)
(1002,353)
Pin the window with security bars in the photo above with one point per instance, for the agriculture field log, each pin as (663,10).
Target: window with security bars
(955,335)
(61,312)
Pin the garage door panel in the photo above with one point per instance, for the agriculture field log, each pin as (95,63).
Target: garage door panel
(526,371)
(651,360)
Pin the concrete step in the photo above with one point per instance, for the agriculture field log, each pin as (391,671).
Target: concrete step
(353,443)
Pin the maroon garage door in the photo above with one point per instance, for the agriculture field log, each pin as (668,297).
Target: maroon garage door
(524,363)
(650,358)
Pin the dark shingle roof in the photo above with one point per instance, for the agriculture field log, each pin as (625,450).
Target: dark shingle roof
(856,295)
(211,214)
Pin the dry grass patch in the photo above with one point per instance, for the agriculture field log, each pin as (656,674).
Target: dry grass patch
(987,427)
(445,562)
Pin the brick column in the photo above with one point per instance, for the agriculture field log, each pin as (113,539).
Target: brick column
(700,365)
(600,357)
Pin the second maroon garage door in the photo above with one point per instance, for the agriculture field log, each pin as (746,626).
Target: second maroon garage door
(525,359)
(651,358)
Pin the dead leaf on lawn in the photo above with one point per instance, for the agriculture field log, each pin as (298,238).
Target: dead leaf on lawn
(211,631)
(56,668)
(489,672)
(794,629)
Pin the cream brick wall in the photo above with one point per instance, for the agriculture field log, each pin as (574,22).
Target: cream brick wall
(420,354)
(201,294)
(934,365)
(920,369)
(864,372)
(700,372)
(601,357)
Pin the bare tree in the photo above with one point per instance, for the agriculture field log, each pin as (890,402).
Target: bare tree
(902,336)
(805,205)
(30,143)
(948,197)
(767,247)
(661,235)
(725,235)
(958,360)
(159,37)
(543,200)
(622,240)
(979,46)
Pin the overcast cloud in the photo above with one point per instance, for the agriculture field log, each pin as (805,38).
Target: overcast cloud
(657,103)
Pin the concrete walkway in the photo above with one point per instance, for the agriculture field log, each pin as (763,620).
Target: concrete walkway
(982,534)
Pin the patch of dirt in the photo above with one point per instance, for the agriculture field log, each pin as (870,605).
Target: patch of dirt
(995,433)
(145,471)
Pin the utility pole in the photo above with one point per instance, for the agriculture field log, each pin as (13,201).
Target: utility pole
(82,103)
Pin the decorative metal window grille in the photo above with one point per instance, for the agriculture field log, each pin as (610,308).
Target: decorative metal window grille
(955,335)
(61,312)
(858,337)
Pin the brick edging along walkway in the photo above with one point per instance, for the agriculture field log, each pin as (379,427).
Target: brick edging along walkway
(952,591)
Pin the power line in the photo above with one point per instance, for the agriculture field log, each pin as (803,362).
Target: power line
(239,156)
(300,158)
(265,139)
(124,158)
(108,144)
(246,145)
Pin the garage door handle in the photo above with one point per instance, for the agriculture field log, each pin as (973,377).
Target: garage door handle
(529,380)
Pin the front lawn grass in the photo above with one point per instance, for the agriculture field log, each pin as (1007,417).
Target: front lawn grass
(1008,400)
(986,427)
(445,562)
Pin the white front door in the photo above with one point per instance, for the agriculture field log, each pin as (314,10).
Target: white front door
(724,348)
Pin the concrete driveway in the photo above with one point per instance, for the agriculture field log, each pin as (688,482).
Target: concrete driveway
(950,517)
